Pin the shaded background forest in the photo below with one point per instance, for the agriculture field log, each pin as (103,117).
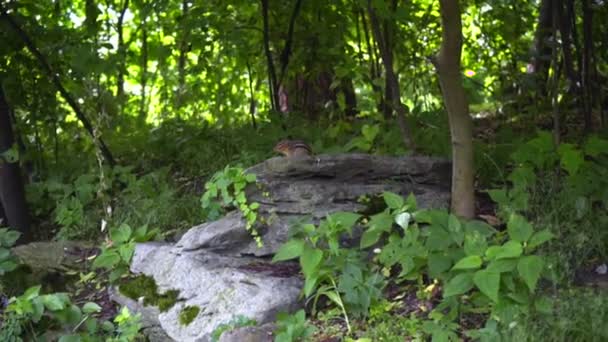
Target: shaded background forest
(121,110)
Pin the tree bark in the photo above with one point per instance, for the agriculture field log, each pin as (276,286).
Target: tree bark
(120,78)
(391,79)
(12,191)
(587,65)
(143,110)
(447,63)
(272,75)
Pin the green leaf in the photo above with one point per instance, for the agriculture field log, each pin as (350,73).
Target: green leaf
(458,285)
(53,302)
(468,263)
(370,237)
(31,292)
(438,238)
(511,249)
(346,219)
(126,251)
(539,238)
(393,200)
(70,338)
(8,237)
(250,177)
(571,158)
(455,229)
(289,250)
(519,228)
(474,243)
(91,307)
(106,259)
(530,268)
(596,146)
(438,263)
(310,259)
(382,221)
(502,265)
(475,226)
(310,283)
(488,283)
(121,234)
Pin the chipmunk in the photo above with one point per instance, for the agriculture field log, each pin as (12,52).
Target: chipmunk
(293,148)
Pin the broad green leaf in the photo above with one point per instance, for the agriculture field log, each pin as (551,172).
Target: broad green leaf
(511,249)
(502,265)
(539,238)
(250,177)
(492,251)
(519,228)
(458,285)
(393,200)
(474,243)
(106,259)
(310,259)
(530,268)
(346,219)
(370,237)
(488,283)
(126,251)
(382,221)
(571,158)
(289,250)
(120,234)
(31,292)
(484,229)
(455,229)
(53,302)
(595,146)
(91,307)
(438,263)
(8,237)
(70,338)
(438,239)
(468,263)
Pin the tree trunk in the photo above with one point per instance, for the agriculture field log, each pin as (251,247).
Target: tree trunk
(120,78)
(143,108)
(391,79)
(12,191)
(272,75)
(447,63)
(587,67)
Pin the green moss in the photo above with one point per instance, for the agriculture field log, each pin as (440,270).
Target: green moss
(144,286)
(188,314)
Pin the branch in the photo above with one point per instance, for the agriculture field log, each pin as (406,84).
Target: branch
(289,41)
(57,82)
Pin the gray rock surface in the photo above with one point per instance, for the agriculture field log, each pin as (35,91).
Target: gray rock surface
(216,265)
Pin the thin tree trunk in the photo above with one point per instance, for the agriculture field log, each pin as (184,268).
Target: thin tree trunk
(272,76)
(447,63)
(120,78)
(587,67)
(392,81)
(251,97)
(143,112)
(57,82)
(554,86)
(12,191)
(183,50)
